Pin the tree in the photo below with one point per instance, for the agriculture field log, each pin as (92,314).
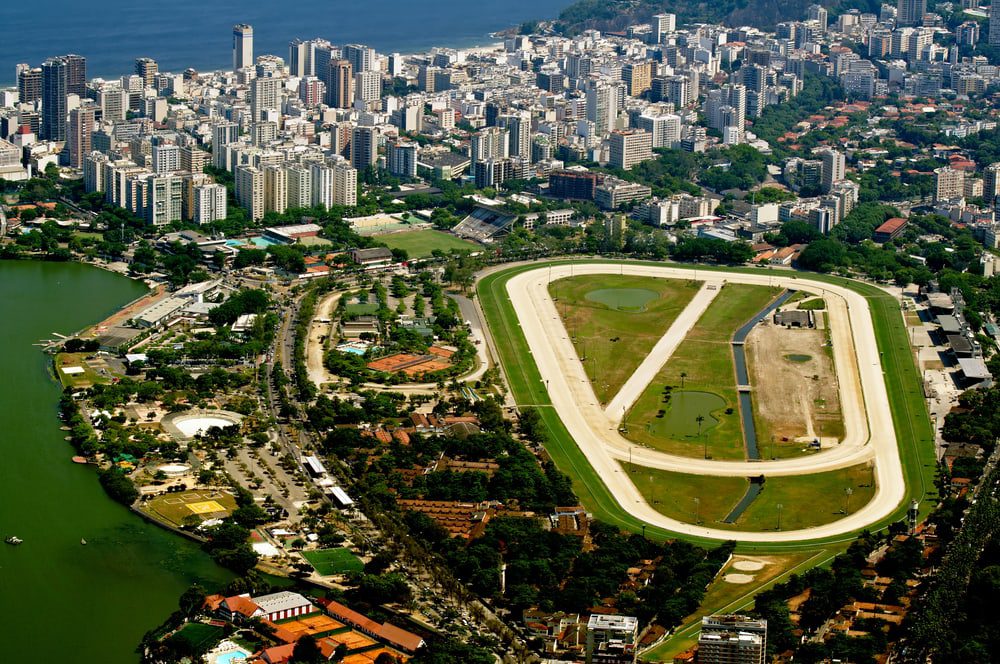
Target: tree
(307,650)
(192,600)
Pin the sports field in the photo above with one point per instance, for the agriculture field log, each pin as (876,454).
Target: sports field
(702,364)
(615,320)
(806,500)
(420,244)
(329,562)
(184,507)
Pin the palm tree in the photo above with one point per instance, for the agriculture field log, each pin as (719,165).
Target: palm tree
(699,420)
(704,445)
(683,376)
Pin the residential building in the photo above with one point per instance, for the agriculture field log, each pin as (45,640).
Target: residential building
(147,68)
(401,159)
(948,183)
(81,128)
(275,188)
(345,184)
(29,84)
(242,46)
(166,158)
(612,639)
(364,147)
(910,12)
(994,31)
(210,203)
(164,199)
(264,97)
(834,165)
(250,190)
(638,77)
(55,82)
(298,186)
(629,148)
(732,639)
(340,84)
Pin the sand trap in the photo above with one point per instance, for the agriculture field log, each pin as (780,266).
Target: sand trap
(194,425)
(738,578)
(748,565)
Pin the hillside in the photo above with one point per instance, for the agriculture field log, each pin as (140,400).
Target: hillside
(616,15)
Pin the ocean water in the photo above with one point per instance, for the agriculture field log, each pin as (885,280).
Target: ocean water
(198,33)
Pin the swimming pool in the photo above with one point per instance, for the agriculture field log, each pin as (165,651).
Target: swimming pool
(232,657)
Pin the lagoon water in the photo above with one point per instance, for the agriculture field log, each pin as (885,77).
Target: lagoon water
(60,600)
(198,33)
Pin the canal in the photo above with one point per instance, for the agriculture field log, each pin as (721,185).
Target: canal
(60,600)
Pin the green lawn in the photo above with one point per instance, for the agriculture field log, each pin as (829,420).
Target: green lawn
(420,244)
(88,378)
(815,304)
(200,636)
(806,500)
(633,311)
(912,424)
(706,358)
(329,562)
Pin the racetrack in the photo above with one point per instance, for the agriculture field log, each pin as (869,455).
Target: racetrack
(870,435)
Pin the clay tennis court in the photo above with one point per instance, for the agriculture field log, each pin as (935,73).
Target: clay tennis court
(436,359)
(353,640)
(313,625)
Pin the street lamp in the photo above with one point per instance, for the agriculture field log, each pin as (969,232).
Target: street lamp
(779,506)
(697,510)
(847,500)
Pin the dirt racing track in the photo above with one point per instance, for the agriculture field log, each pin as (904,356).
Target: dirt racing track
(870,436)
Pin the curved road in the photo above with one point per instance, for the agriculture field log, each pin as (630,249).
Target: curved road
(867,418)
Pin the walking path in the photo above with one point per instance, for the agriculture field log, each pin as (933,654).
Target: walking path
(870,435)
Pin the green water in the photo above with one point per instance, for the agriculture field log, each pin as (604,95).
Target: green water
(60,600)
(623,299)
(680,419)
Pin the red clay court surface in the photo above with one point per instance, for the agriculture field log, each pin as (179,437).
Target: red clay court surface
(413,365)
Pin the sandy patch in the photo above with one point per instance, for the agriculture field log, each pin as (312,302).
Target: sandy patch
(738,579)
(796,389)
(748,565)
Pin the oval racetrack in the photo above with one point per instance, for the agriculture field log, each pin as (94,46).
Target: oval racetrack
(870,436)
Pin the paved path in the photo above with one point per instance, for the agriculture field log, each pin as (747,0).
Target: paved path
(662,351)
(868,422)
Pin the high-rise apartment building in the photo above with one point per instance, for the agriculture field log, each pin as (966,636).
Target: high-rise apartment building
(300,58)
(490,143)
(322,185)
(223,134)
(275,188)
(164,199)
(995,24)
(991,182)
(345,184)
(910,12)
(368,86)
(663,24)
(602,107)
(264,97)
(362,58)
(250,190)
(948,183)
(29,84)
(629,148)
(834,166)
(401,159)
(518,126)
(312,91)
(76,75)
(242,46)
(210,203)
(54,90)
(340,84)
(732,639)
(364,147)
(147,68)
(299,186)
(819,14)
(638,77)
(81,128)
(166,158)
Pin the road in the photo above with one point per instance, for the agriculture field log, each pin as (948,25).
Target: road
(870,435)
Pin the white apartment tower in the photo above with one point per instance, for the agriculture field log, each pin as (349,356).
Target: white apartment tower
(250,190)
(834,166)
(242,46)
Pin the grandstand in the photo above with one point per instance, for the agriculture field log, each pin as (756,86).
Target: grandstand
(483,224)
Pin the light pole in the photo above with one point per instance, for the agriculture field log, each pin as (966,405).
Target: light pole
(697,511)
(847,500)
(779,506)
